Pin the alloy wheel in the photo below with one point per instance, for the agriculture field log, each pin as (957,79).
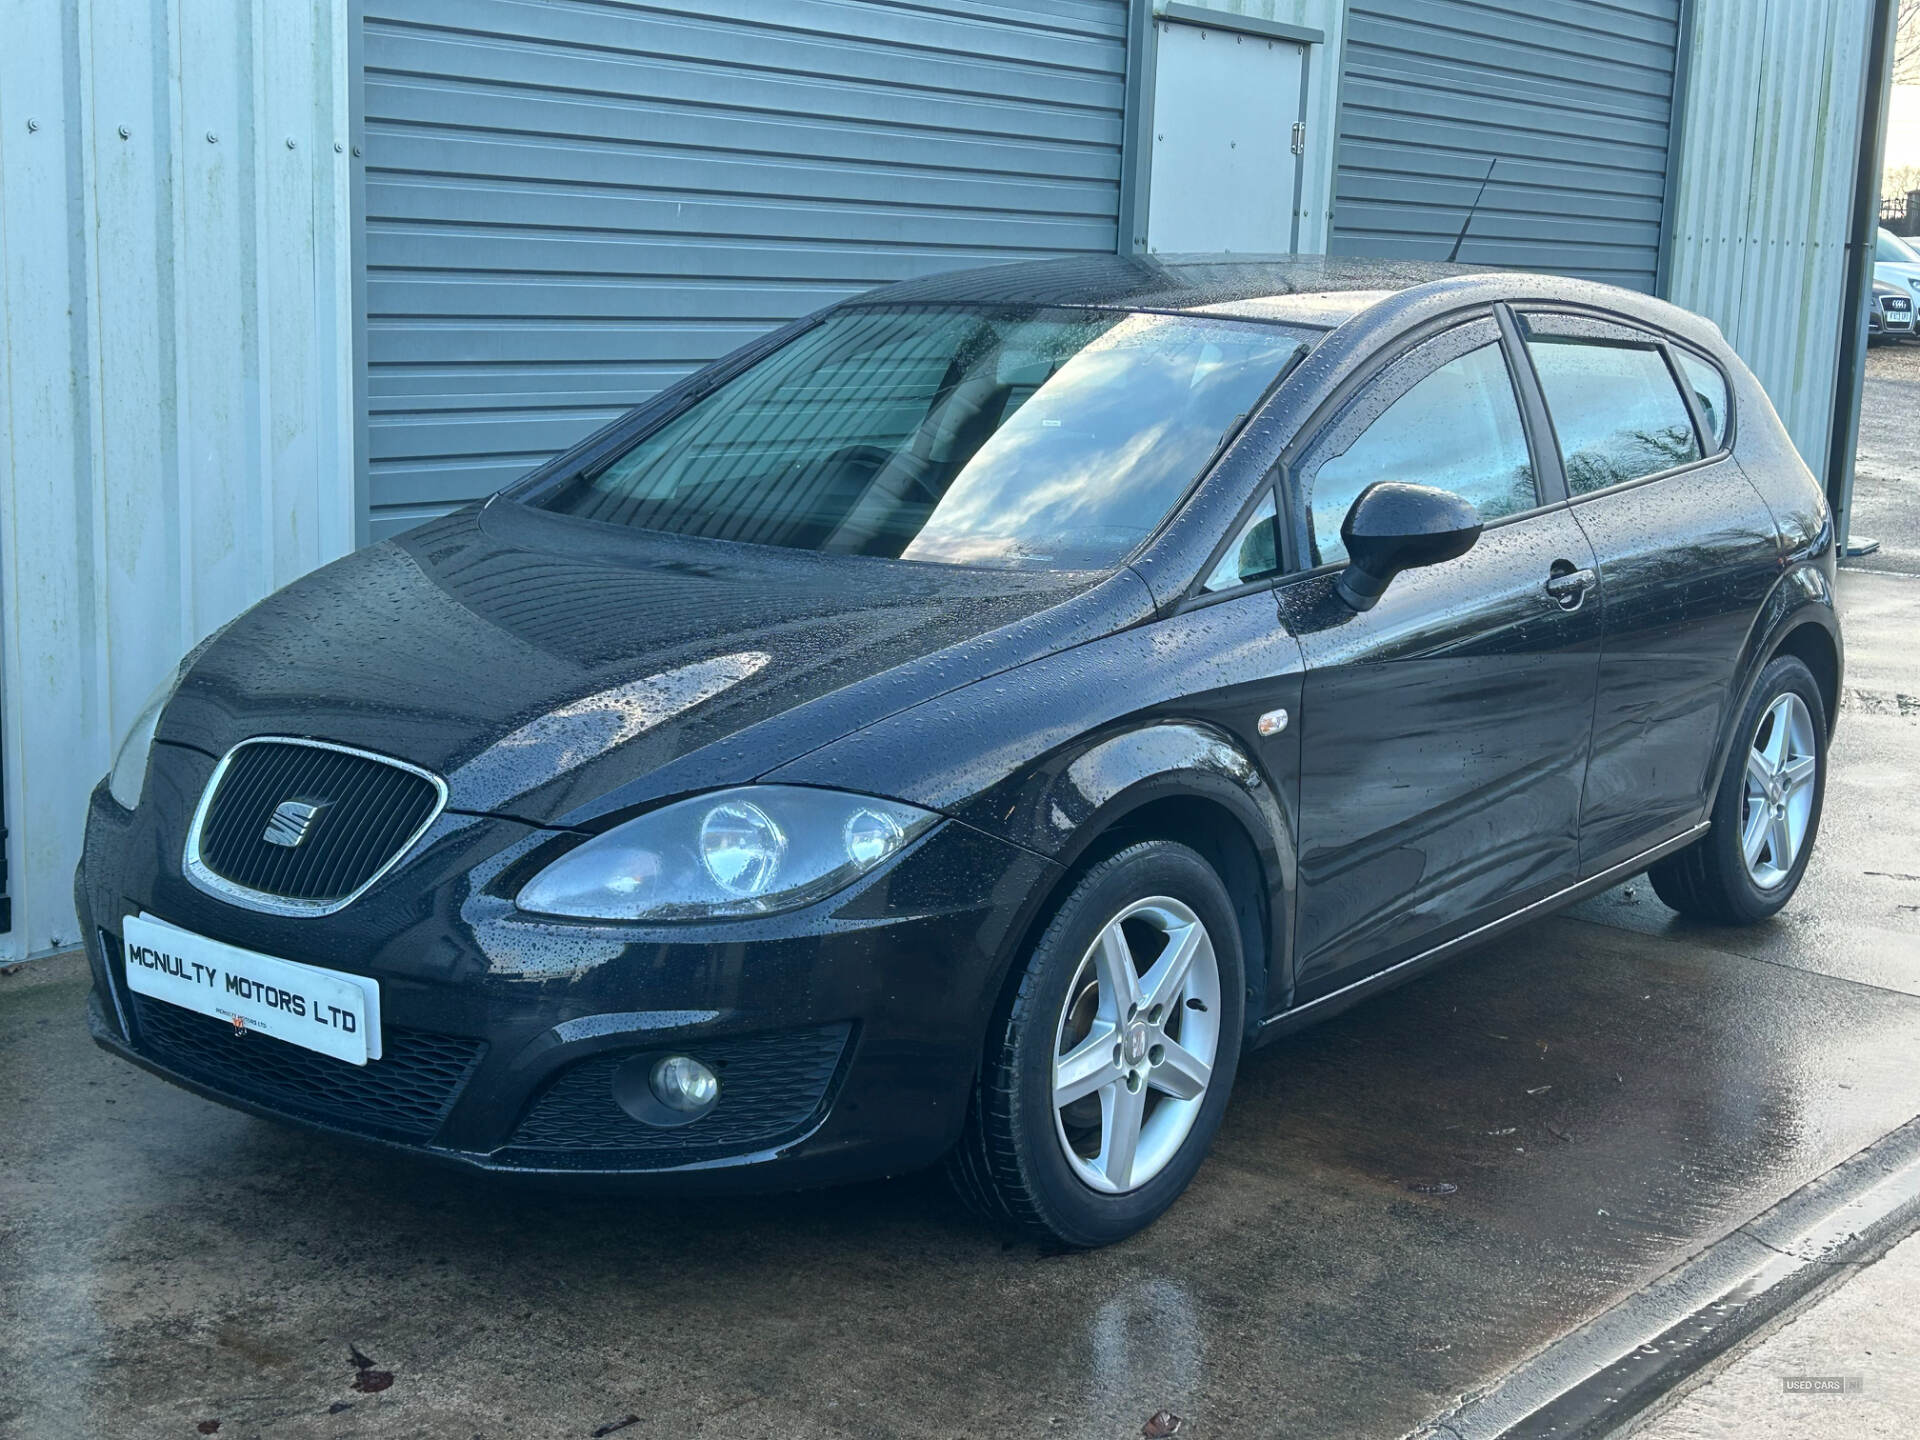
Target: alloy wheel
(1782,765)
(1135,1045)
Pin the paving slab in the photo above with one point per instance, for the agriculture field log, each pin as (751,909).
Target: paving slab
(1847,1367)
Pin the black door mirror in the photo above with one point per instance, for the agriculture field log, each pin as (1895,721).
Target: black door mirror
(1394,527)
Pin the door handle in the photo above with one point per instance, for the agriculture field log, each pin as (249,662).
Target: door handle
(1568,586)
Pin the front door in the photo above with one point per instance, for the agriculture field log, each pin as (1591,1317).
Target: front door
(1444,732)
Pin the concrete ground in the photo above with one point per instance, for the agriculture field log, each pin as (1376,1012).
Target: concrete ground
(1607,1091)
(1844,1368)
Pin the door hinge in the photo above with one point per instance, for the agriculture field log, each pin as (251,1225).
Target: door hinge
(1299,137)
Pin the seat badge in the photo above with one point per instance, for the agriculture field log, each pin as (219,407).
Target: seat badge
(292,821)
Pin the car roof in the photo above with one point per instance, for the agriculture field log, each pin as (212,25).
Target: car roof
(1310,291)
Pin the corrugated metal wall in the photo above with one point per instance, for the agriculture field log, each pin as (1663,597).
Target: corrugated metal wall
(569,206)
(1765,187)
(1560,108)
(174,388)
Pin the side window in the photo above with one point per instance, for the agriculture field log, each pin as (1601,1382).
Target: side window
(1709,392)
(1456,429)
(1615,407)
(1254,555)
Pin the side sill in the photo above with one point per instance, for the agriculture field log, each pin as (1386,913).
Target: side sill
(1313,1011)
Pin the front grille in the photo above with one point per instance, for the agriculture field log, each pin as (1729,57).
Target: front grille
(404,1094)
(364,812)
(771,1088)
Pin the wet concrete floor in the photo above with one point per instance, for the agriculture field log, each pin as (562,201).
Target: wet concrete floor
(1607,1090)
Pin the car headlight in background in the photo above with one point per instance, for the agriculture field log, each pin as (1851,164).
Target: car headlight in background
(750,851)
(129,774)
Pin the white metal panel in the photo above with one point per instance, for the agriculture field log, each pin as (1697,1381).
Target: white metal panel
(1765,185)
(1225,107)
(1328,17)
(174,388)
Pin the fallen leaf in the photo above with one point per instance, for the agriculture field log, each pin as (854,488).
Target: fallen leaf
(372,1382)
(339,1407)
(208,1427)
(620,1424)
(1160,1425)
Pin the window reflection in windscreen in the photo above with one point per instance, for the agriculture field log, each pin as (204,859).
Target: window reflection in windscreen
(1040,439)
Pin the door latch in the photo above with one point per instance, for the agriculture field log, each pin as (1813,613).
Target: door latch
(1299,137)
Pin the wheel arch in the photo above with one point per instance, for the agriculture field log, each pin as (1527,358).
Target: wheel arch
(1798,618)
(1187,782)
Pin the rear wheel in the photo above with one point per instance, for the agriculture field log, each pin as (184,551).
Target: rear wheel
(1110,1062)
(1766,813)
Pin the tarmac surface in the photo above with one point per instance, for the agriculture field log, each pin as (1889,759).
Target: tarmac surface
(1605,1091)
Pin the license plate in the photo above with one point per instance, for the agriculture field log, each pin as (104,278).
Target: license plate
(324,1010)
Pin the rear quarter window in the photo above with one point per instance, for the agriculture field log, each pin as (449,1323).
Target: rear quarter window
(1709,392)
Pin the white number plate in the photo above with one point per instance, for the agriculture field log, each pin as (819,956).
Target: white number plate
(324,1010)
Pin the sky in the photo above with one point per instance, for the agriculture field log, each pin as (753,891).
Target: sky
(1903,127)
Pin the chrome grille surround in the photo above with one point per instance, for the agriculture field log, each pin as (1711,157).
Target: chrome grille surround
(205,878)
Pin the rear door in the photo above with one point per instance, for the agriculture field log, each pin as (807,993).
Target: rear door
(1444,732)
(1687,552)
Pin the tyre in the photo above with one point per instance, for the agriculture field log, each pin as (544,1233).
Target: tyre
(1766,813)
(1109,1062)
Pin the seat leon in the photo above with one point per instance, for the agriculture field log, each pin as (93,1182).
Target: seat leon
(962,724)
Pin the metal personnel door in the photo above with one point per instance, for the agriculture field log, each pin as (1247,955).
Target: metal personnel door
(1229,117)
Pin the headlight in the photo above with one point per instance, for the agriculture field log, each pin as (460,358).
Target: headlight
(129,774)
(750,851)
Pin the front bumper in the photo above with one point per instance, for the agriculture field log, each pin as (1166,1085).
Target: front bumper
(846,1035)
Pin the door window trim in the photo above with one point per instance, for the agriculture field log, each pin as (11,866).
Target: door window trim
(1633,333)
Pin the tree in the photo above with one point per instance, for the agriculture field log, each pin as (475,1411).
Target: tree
(1906,43)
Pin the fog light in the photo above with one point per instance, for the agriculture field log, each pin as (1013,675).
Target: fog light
(682,1083)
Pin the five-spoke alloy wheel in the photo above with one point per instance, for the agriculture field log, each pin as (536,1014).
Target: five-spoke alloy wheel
(1137,1038)
(1766,812)
(1112,1053)
(1782,765)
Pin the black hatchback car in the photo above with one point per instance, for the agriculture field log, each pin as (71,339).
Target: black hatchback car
(961,723)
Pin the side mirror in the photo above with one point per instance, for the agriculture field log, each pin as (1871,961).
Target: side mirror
(1394,527)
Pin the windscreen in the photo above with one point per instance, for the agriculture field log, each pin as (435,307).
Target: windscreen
(1049,439)
(1890,248)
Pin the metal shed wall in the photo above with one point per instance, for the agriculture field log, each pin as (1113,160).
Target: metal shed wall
(1560,108)
(174,386)
(570,205)
(1764,192)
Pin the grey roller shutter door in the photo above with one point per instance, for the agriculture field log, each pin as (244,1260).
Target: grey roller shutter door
(570,205)
(1562,108)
